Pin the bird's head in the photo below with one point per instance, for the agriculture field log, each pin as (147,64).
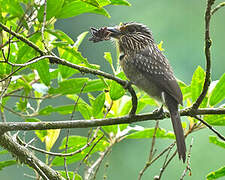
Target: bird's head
(131,36)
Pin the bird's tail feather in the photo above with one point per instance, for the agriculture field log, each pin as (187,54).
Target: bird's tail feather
(172,106)
(179,133)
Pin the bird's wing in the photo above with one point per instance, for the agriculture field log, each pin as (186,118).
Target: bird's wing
(155,65)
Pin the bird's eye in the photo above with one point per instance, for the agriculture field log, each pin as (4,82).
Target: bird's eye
(131,29)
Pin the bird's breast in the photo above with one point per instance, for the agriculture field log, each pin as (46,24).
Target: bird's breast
(138,78)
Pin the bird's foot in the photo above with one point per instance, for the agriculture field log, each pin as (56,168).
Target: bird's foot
(158,111)
(127,85)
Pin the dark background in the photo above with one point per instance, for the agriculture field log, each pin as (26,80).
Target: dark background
(180,24)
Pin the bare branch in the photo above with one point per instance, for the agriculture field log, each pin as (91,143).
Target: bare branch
(208,44)
(27,157)
(27,126)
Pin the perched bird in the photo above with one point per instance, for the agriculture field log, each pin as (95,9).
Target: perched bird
(147,68)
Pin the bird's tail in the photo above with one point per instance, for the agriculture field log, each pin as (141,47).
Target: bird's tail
(179,133)
(172,106)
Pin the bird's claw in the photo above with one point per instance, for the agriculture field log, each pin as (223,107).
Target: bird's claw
(127,85)
(159,111)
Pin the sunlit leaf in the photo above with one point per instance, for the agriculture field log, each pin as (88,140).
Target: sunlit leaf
(74,8)
(71,174)
(216,119)
(80,38)
(197,83)
(108,57)
(54,7)
(70,86)
(116,90)
(216,141)
(51,137)
(120,2)
(98,104)
(218,94)
(216,174)
(60,35)
(43,71)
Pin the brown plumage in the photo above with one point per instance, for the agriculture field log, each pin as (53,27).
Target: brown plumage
(147,68)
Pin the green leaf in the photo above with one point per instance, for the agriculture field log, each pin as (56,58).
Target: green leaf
(46,110)
(25,52)
(73,86)
(43,71)
(12,7)
(77,176)
(218,94)
(74,8)
(4,164)
(70,86)
(120,2)
(197,83)
(60,35)
(72,55)
(216,141)
(75,143)
(4,152)
(216,119)
(99,3)
(108,57)
(98,104)
(85,110)
(148,133)
(41,134)
(65,71)
(116,90)
(54,8)
(81,106)
(80,38)
(51,137)
(126,105)
(101,11)
(94,85)
(216,174)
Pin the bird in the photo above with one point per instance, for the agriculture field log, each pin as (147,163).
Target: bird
(147,68)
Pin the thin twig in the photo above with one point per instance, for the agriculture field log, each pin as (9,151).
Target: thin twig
(97,164)
(68,131)
(222,4)
(43,26)
(188,168)
(166,164)
(150,153)
(210,127)
(22,38)
(208,44)
(85,70)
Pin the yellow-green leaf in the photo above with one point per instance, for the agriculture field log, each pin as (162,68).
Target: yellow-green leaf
(51,137)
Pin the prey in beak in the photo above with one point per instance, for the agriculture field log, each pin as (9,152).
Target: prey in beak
(104,33)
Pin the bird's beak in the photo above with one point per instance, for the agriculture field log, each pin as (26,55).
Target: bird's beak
(115,32)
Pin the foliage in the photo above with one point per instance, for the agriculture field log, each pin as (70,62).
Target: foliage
(101,98)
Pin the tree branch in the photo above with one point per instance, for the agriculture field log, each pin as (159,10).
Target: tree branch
(27,126)
(25,156)
(22,38)
(208,44)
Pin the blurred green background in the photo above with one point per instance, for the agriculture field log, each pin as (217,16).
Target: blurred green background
(180,25)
